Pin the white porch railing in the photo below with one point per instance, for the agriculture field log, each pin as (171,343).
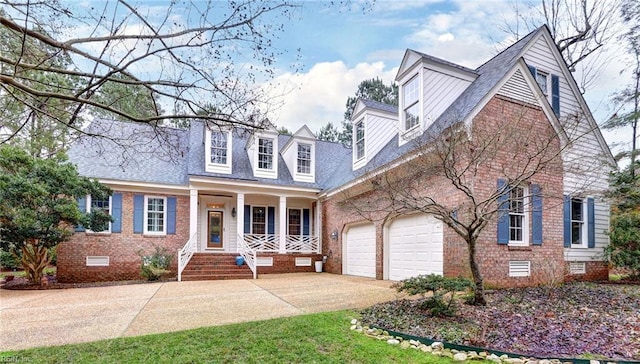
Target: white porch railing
(263,243)
(185,254)
(302,244)
(249,254)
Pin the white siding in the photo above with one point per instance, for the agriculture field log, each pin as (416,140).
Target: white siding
(601,212)
(585,166)
(517,88)
(439,91)
(378,131)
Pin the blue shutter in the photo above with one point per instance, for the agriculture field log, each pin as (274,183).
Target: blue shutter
(536,215)
(305,221)
(591,224)
(116,213)
(533,71)
(271,220)
(138,214)
(555,94)
(503,212)
(82,206)
(171,215)
(247,219)
(567,220)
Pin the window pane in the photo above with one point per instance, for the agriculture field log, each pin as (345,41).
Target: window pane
(411,116)
(100,205)
(294,222)
(259,220)
(576,209)
(360,140)
(218,147)
(576,233)
(304,158)
(155,215)
(541,78)
(265,153)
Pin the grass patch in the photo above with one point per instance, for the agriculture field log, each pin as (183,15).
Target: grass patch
(316,338)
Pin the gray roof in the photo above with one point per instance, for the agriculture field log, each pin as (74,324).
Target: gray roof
(372,104)
(142,153)
(444,62)
(132,152)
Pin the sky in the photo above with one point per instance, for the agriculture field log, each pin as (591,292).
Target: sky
(340,47)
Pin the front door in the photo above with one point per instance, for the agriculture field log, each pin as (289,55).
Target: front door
(214,239)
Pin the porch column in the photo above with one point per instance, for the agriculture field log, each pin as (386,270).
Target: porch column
(239,215)
(318,226)
(283,225)
(193,212)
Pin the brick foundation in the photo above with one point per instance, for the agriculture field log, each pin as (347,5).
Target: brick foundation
(286,263)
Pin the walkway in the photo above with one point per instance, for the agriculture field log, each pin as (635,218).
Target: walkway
(55,317)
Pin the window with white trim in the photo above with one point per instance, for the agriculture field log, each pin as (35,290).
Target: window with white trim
(219,147)
(258,220)
(518,219)
(100,204)
(359,136)
(265,153)
(304,158)
(410,105)
(578,223)
(542,79)
(155,221)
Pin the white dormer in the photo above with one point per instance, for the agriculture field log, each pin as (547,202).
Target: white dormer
(218,147)
(299,154)
(427,87)
(373,125)
(262,148)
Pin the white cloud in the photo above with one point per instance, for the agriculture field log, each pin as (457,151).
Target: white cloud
(319,96)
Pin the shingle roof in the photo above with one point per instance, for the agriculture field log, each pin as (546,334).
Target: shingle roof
(170,156)
(132,152)
(379,105)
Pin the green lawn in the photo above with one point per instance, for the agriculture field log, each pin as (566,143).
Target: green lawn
(317,338)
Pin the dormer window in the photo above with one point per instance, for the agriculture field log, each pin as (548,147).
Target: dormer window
(218,151)
(304,158)
(411,108)
(219,147)
(265,153)
(359,142)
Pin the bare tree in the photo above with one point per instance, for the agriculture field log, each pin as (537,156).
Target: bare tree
(469,176)
(580,28)
(133,62)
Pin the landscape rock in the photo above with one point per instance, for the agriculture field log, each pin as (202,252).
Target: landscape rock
(460,357)
(393,341)
(405,345)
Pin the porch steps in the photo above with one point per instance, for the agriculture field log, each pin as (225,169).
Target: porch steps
(208,267)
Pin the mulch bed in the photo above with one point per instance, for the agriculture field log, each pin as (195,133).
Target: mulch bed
(573,320)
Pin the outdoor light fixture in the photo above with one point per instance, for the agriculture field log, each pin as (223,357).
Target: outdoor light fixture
(334,235)
(233,212)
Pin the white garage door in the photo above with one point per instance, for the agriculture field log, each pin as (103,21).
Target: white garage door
(360,251)
(415,246)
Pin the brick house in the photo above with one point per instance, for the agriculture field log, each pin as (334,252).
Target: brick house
(279,201)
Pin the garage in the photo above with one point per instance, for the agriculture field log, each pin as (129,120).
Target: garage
(360,251)
(415,246)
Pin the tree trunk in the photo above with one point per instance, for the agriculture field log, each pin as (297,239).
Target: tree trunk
(35,259)
(478,292)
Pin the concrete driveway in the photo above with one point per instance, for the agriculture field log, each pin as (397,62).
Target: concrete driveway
(55,317)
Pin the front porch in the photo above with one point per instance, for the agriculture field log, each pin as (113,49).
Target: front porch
(275,230)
